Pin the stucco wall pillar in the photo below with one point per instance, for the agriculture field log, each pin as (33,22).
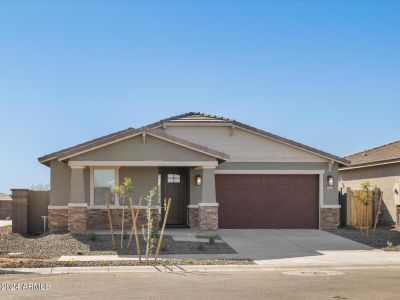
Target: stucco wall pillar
(208,186)
(77,185)
(77,206)
(208,207)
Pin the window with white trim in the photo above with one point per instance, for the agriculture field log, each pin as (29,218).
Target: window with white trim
(103,181)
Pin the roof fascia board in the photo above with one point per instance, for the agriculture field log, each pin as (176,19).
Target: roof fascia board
(100,146)
(137,134)
(195,123)
(374,164)
(143,163)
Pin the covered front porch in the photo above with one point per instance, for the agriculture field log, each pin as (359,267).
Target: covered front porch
(153,160)
(190,186)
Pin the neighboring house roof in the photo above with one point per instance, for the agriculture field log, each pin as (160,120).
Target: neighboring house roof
(4,197)
(187,117)
(386,154)
(125,134)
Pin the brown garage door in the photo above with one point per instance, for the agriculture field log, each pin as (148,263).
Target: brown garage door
(267,201)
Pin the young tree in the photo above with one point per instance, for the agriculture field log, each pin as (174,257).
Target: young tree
(123,192)
(148,231)
(366,196)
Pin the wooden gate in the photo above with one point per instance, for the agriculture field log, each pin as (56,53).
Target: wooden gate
(28,207)
(362,216)
(38,207)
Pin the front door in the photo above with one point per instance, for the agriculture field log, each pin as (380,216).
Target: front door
(174,184)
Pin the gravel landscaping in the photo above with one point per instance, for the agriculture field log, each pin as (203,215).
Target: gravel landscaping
(42,263)
(5,230)
(385,237)
(55,245)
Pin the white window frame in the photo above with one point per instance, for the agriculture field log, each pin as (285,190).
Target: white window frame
(116,172)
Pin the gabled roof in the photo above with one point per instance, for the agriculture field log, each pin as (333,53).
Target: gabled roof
(196,117)
(388,153)
(125,134)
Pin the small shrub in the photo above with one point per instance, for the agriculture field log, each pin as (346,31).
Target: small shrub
(71,263)
(200,247)
(211,240)
(79,253)
(389,244)
(92,237)
(103,263)
(189,262)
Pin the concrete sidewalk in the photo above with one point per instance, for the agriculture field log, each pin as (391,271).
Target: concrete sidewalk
(179,269)
(332,259)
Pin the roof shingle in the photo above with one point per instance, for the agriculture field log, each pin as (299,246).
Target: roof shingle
(187,117)
(381,154)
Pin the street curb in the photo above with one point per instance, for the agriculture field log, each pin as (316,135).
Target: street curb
(182,269)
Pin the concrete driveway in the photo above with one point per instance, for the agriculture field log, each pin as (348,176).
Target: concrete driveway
(302,248)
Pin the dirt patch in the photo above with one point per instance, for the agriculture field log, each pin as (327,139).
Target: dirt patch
(386,238)
(56,245)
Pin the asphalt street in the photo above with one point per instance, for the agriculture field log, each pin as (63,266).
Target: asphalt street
(342,284)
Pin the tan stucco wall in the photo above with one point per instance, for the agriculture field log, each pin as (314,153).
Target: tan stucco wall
(60,183)
(133,149)
(195,191)
(241,144)
(383,177)
(143,179)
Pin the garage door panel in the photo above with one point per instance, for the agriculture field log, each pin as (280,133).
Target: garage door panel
(267,201)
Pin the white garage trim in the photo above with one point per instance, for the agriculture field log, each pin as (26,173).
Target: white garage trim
(272,172)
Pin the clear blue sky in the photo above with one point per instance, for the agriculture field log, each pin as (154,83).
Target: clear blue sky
(324,73)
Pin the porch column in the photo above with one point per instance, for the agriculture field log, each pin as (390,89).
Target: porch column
(77,206)
(208,207)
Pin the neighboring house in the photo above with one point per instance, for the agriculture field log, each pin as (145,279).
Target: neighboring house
(219,173)
(381,168)
(5,206)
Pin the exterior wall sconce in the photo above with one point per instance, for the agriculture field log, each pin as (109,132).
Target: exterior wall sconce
(330,181)
(198,180)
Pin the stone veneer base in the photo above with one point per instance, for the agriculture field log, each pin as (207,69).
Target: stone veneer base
(77,219)
(329,217)
(208,217)
(58,219)
(80,219)
(193,217)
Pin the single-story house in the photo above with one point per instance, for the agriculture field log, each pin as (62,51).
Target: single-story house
(219,173)
(5,206)
(381,168)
